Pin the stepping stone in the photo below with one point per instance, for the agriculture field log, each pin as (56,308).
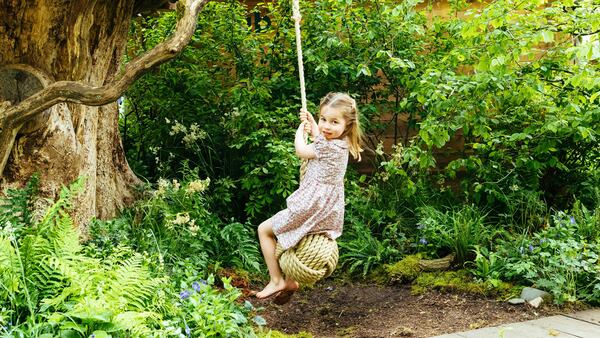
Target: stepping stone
(564,324)
(591,316)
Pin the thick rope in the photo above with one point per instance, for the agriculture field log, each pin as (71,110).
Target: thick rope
(316,255)
(314,258)
(297,18)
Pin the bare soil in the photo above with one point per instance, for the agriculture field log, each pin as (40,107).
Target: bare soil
(360,310)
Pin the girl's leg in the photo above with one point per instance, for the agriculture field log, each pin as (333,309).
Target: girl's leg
(268,244)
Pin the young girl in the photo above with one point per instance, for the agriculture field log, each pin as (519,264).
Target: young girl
(318,204)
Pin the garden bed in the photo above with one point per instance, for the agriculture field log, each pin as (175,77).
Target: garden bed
(360,310)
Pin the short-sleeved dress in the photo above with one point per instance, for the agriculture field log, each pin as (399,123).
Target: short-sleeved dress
(318,204)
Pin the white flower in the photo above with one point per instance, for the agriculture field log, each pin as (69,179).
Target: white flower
(176,184)
(193,227)
(177,128)
(198,185)
(181,218)
(163,185)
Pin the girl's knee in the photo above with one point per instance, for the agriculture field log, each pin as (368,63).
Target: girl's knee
(266,228)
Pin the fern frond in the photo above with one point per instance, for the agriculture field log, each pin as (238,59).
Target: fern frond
(132,286)
(9,268)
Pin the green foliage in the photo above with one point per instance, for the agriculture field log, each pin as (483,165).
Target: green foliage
(456,231)
(208,312)
(177,225)
(562,258)
(362,252)
(16,208)
(501,90)
(51,288)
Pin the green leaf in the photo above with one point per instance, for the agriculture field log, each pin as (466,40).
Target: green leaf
(101,334)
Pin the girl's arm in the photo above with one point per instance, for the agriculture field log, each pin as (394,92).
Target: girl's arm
(303,150)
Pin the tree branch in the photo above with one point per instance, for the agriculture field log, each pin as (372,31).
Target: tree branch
(12,117)
(78,92)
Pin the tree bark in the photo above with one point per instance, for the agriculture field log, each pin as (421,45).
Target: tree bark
(55,55)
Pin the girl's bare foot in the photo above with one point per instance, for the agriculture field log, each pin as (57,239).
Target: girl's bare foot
(285,296)
(271,289)
(274,288)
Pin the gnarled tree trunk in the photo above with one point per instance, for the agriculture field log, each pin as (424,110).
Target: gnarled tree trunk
(54,56)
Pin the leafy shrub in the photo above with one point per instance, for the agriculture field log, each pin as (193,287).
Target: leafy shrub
(208,312)
(457,231)
(361,252)
(176,224)
(560,259)
(51,288)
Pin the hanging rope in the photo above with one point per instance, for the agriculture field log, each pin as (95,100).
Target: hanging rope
(316,255)
(297,18)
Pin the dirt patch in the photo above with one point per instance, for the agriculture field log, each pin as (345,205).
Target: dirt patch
(358,310)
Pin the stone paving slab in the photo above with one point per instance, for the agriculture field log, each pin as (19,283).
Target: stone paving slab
(590,316)
(585,324)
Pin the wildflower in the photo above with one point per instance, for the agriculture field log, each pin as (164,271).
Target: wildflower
(203,282)
(193,227)
(176,184)
(188,332)
(181,218)
(531,247)
(184,294)
(423,241)
(177,128)
(197,186)
(163,185)
(196,286)
(521,250)
(572,220)
(542,241)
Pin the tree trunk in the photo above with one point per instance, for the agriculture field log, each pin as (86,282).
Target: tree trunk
(43,41)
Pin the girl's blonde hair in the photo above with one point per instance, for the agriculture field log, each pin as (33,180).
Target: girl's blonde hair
(347,106)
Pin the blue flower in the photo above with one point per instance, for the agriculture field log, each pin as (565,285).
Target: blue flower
(531,247)
(184,294)
(572,219)
(188,332)
(542,241)
(196,286)
(202,281)
(423,241)
(93,336)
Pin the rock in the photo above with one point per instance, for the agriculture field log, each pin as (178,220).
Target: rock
(536,302)
(532,293)
(516,301)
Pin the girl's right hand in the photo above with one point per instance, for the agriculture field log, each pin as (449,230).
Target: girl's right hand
(303,115)
(311,125)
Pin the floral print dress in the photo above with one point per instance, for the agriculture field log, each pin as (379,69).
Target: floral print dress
(318,204)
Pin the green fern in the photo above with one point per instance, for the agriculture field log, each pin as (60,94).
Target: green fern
(44,271)
(17,207)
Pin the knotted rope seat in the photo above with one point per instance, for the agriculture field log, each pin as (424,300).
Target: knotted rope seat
(316,255)
(314,258)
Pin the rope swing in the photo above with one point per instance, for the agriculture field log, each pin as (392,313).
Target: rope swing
(316,255)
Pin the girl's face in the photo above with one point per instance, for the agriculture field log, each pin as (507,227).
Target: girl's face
(332,123)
